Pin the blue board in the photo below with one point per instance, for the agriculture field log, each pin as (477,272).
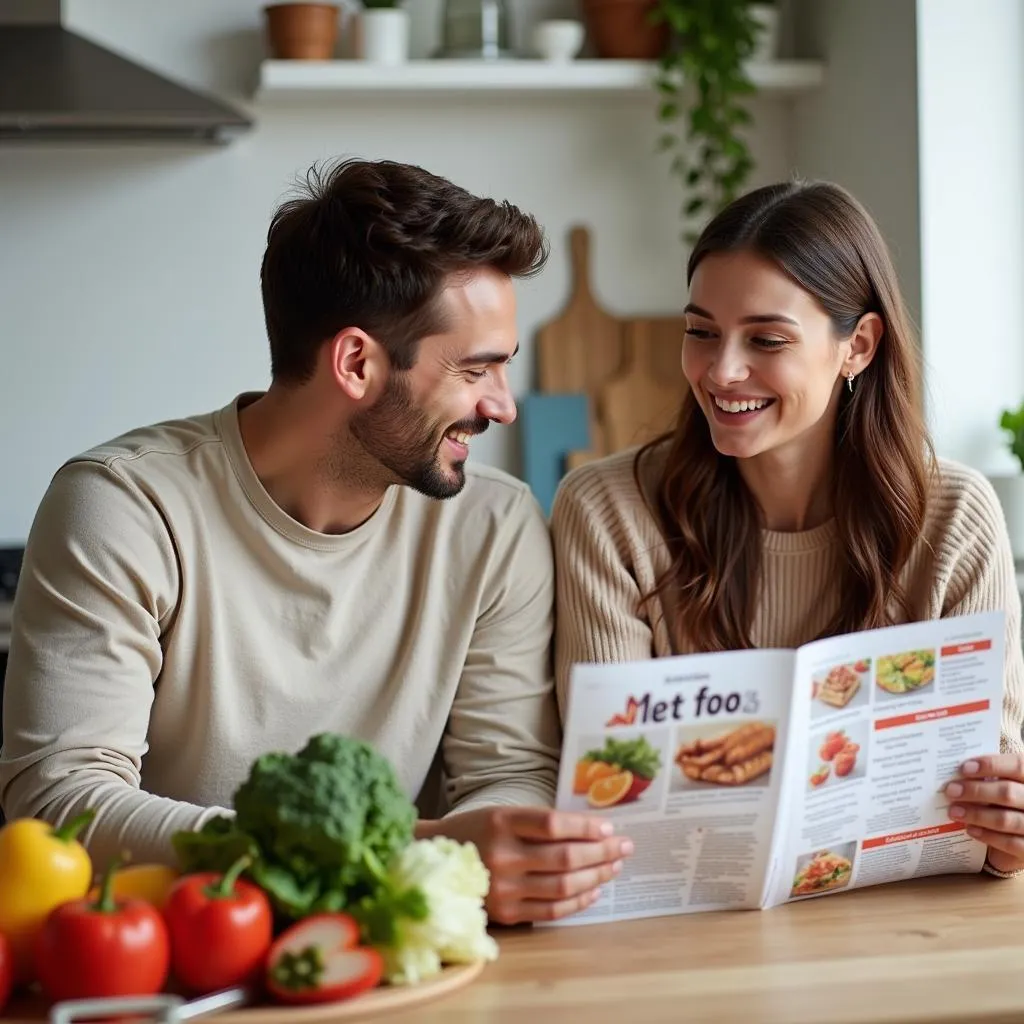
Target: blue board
(551,427)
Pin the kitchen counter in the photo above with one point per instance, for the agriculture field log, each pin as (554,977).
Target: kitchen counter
(936,950)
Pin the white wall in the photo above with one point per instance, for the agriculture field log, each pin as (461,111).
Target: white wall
(971,88)
(129,281)
(860,130)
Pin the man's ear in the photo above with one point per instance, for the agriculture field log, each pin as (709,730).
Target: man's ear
(357,362)
(864,343)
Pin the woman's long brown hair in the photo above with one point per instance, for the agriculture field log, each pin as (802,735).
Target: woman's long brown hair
(825,241)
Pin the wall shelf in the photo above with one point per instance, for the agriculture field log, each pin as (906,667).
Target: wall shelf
(291,80)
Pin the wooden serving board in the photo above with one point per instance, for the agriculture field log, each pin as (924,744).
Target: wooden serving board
(581,348)
(643,401)
(385,999)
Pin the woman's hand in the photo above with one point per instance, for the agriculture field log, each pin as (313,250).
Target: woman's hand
(989,799)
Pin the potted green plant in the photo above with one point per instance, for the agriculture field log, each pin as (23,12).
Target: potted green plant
(1009,487)
(703,87)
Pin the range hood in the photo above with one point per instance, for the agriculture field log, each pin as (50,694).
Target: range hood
(57,86)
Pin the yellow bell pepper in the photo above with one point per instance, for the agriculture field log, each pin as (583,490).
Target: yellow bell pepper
(149,882)
(41,867)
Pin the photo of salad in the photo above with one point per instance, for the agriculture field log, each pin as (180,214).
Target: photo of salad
(904,673)
(823,870)
(619,772)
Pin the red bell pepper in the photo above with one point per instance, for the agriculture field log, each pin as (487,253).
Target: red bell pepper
(220,927)
(318,961)
(91,950)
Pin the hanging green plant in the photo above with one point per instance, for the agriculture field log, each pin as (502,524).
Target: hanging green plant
(703,86)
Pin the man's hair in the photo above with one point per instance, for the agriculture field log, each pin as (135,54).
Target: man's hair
(372,245)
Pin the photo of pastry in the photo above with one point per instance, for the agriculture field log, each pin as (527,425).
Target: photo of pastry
(902,674)
(823,870)
(713,756)
(837,756)
(841,687)
(615,772)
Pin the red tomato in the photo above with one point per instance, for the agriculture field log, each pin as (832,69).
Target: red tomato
(318,961)
(220,927)
(91,950)
(6,971)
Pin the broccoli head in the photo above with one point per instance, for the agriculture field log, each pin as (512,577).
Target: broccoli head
(321,823)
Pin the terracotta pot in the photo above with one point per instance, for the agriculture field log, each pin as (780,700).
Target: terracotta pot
(302,31)
(622,29)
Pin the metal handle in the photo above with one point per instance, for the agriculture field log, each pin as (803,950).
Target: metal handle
(161,1009)
(156,1008)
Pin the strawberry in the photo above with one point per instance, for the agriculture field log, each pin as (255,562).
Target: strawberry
(319,960)
(834,742)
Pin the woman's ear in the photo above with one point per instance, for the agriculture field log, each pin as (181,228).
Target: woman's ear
(863,343)
(358,365)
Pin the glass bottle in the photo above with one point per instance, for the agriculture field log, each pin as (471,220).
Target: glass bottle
(475,29)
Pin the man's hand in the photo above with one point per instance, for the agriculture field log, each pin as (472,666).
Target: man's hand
(989,799)
(544,864)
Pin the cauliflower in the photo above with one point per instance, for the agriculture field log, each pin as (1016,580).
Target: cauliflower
(454,882)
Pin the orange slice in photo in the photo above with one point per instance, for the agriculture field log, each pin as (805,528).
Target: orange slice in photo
(581,777)
(600,770)
(610,790)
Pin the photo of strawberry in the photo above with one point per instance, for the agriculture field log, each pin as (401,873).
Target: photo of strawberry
(835,756)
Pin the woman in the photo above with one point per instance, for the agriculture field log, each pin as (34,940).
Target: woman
(798,496)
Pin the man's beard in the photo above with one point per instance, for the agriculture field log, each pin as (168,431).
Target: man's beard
(401,438)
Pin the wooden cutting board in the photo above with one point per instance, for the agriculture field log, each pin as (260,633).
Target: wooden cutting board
(582,348)
(643,401)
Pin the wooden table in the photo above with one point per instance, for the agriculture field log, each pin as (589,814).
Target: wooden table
(949,949)
(938,950)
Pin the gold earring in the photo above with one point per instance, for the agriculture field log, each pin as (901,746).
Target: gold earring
(849,381)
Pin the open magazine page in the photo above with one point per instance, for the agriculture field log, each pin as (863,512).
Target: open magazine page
(685,756)
(889,716)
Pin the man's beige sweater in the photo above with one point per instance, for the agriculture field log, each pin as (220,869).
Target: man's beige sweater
(609,552)
(172,623)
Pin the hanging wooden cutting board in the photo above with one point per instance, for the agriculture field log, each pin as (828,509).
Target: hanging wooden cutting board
(582,348)
(643,401)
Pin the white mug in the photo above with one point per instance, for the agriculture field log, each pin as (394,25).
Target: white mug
(558,39)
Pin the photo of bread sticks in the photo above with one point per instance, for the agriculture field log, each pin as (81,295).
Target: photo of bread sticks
(740,755)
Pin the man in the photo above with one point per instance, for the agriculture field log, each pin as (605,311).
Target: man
(316,558)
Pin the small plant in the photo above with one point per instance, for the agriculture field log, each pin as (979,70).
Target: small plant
(1012,421)
(702,82)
